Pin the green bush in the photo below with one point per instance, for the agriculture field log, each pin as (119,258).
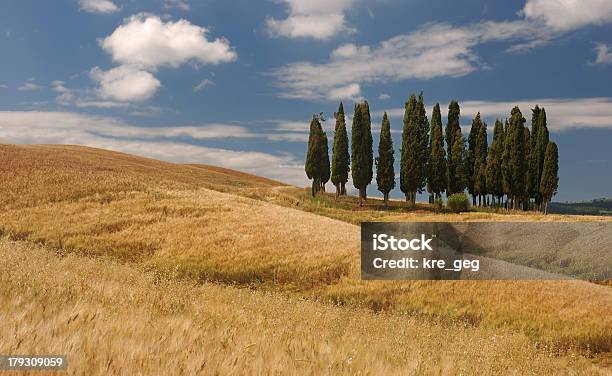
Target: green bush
(458,202)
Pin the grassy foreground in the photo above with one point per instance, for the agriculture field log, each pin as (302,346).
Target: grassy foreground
(110,318)
(165,218)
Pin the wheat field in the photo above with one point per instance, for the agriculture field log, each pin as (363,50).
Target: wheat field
(207,232)
(109,318)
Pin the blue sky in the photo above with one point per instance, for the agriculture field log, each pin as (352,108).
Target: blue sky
(235,83)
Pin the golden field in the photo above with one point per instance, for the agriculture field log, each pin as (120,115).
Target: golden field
(110,318)
(174,229)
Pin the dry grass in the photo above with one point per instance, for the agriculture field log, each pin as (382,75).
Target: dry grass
(161,216)
(110,318)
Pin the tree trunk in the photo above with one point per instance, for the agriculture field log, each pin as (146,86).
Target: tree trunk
(337,185)
(386,198)
(546,208)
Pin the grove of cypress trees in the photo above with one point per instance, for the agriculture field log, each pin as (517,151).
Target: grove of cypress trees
(450,133)
(457,165)
(361,149)
(471,156)
(550,171)
(385,174)
(436,177)
(494,163)
(481,148)
(341,158)
(410,168)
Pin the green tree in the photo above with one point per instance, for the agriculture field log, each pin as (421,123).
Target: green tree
(385,174)
(550,179)
(315,164)
(436,177)
(423,143)
(361,149)
(539,142)
(457,165)
(481,148)
(507,145)
(529,180)
(494,163)
(410,168)
(450,134)
(325,167)
(471,156)
(515,167)
(341,158)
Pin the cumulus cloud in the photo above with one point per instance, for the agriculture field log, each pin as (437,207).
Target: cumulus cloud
(351,91)
(161,143)
(98,6)
(565,15)
(561,114)
(384,96)
(125,83)
(144,43)
(318,19)
(604,55)
(145,40)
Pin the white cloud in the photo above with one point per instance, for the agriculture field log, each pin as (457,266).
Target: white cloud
(604,55)
(318,19)
(178,4)
(205,82)
(145,40)
(565,15)
(434,50)
(98,6)
(384,96)
(110,133)
(351,91)
(438,49)
(125,83)
(3,86)
(561,114)
(30,85)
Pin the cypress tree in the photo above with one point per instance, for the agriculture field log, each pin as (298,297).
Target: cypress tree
(410,171)
(423,143)
(361,149)
(369,145)
(494,163)
(533,186)
(436,177)
(540,143)
(471,156)
(516,164)
(529,180)
(385,174)
(550,178)
(314,158)
(341,158)
(457,165)
(450,133)
(325,167)
(506,178)
(481,147)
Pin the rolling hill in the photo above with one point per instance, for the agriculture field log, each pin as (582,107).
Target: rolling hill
(174,226)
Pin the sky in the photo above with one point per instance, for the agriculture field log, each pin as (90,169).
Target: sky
(235,83)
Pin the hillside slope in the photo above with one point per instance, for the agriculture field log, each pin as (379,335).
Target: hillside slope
(163,217)
(109,318)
